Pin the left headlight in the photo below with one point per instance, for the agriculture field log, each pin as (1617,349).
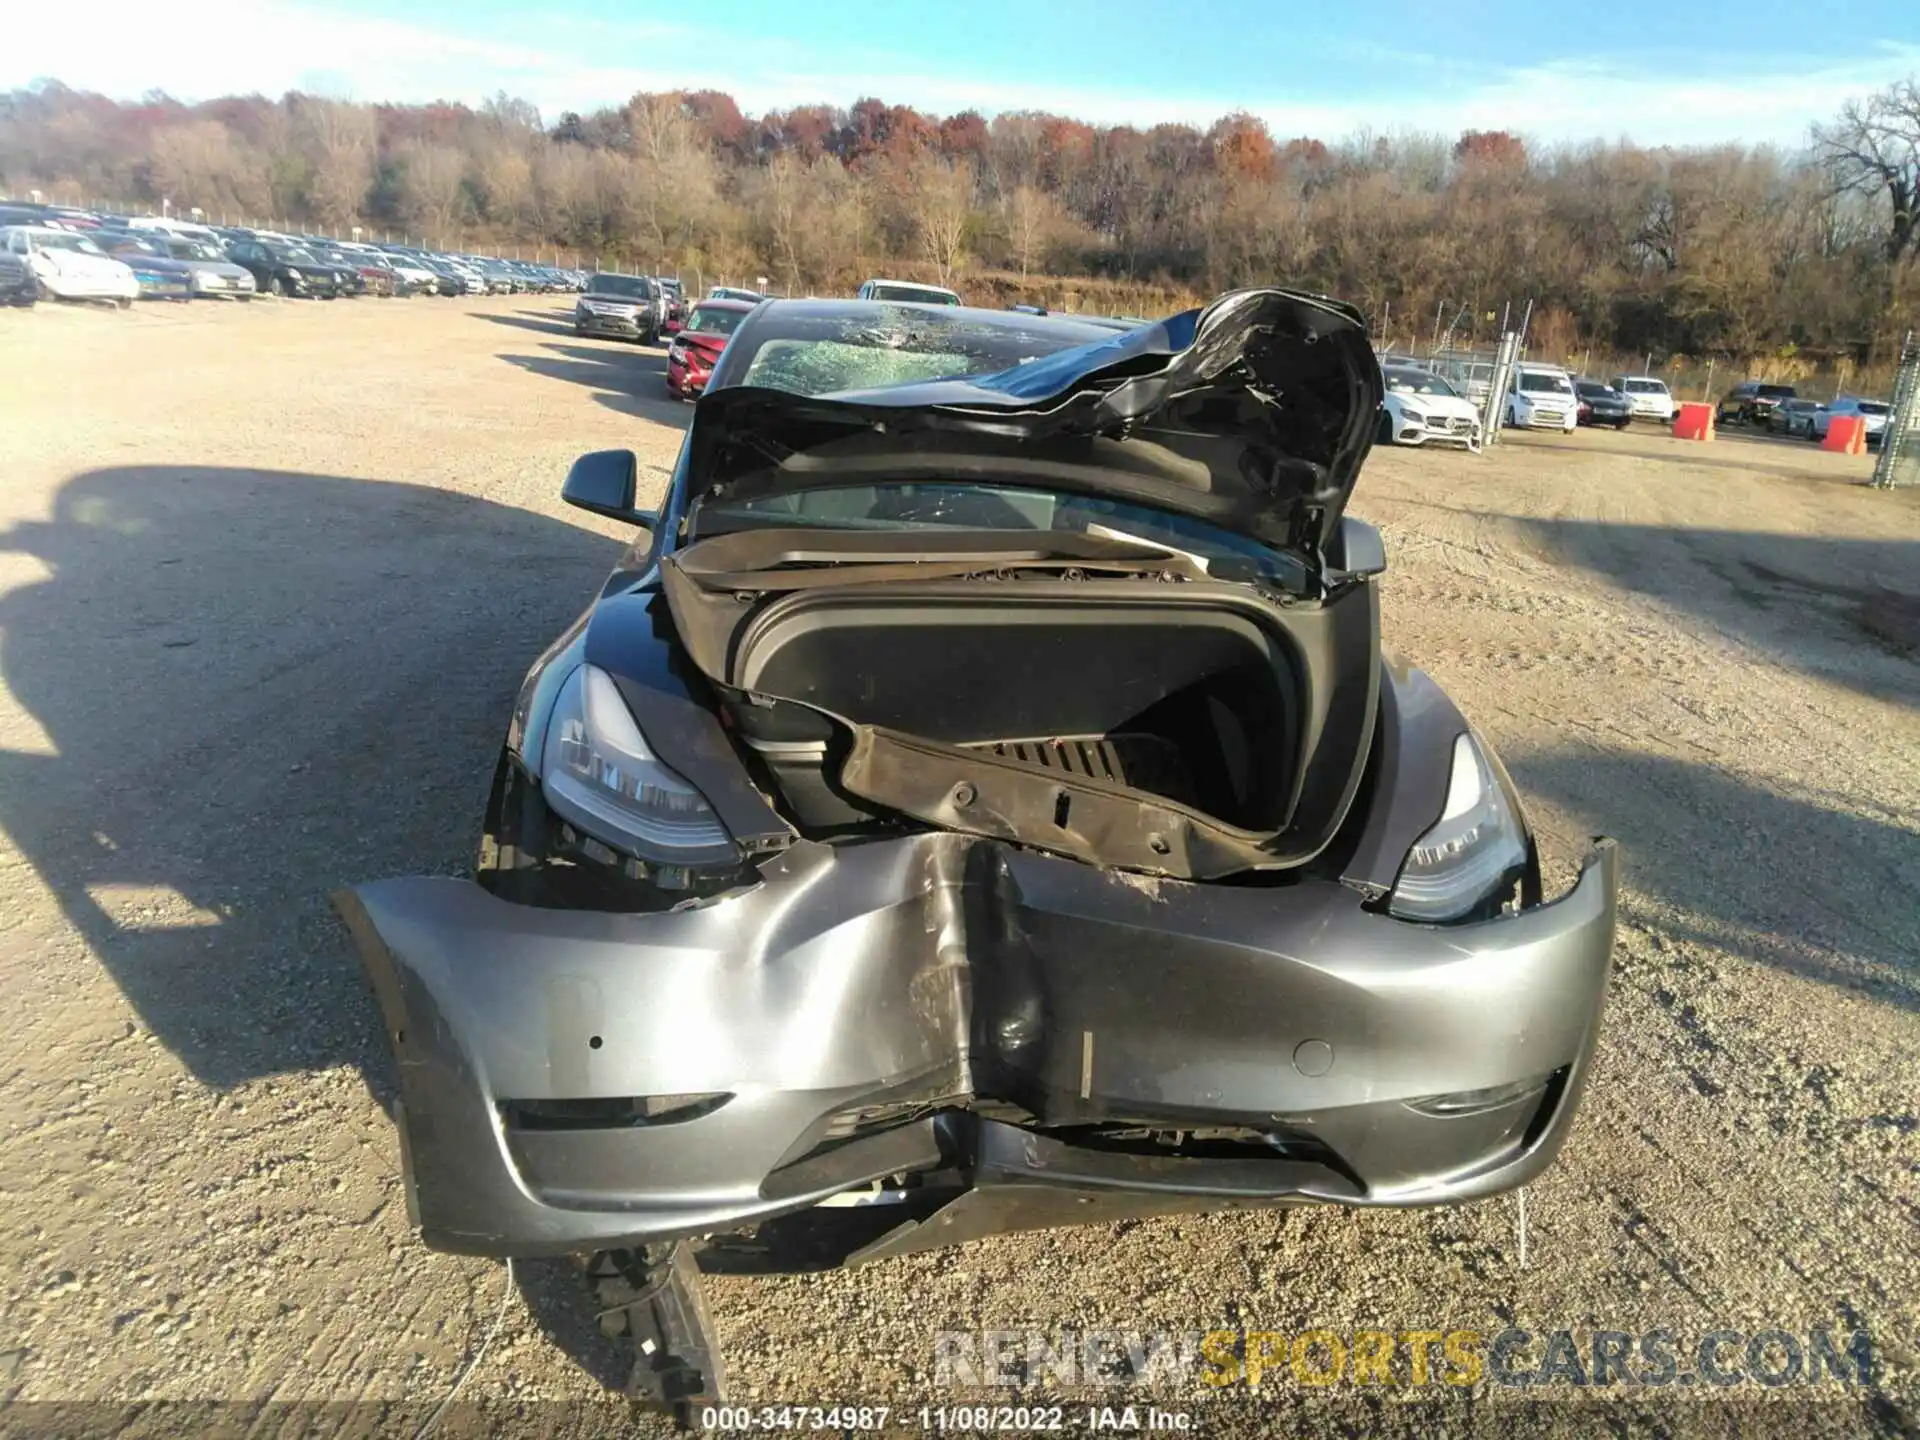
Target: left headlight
(1472,860)
(599,773)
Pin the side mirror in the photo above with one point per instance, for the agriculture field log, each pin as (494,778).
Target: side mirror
(603,481)
(1358,551)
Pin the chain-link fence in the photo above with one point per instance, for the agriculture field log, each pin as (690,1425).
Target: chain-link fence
(1899,462)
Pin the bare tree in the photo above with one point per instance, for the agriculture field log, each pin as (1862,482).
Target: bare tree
(338,139)
(1874,149)
(431,187)
(940,200)
(1030,218)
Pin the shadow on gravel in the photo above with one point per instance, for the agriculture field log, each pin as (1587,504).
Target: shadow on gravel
(630,379)
(556,322)
(1771,590)
(1762,453)
(256,687)
(1826,893)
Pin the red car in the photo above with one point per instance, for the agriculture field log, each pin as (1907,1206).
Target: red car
(691,357)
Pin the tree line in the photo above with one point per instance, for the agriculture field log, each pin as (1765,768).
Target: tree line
(1732,250)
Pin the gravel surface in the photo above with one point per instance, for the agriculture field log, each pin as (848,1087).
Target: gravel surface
(268,579)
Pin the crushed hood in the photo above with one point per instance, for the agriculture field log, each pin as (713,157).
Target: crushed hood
(1253,414)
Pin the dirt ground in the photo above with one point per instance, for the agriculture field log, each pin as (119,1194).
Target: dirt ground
(268,580)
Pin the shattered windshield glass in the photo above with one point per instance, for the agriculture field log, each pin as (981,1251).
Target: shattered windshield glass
(880,346)
(820,367)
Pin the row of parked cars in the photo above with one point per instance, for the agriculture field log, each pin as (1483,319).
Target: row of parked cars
(1443,401)
(1781,410)
(56,252)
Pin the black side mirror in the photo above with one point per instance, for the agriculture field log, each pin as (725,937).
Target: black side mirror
(603,481)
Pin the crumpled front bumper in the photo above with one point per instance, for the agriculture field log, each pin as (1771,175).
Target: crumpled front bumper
(940,970)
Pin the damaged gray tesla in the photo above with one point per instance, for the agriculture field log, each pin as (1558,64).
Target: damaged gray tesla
(979,800)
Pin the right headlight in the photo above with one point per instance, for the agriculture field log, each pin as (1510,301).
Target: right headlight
(599,773)
(1473,859)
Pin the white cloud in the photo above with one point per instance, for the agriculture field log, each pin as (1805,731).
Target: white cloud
(275,45)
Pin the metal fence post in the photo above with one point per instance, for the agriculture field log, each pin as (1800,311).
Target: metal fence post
(1899,462)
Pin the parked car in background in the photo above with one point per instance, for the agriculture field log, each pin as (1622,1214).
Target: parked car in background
(164,225)
(674,304)
(1601,404)
(907,292)
(67,265)
(161,276)
(499,277)
(214,277)
(17,285)
(461,279)
(1542,398)
(1874,412)
(287,269)
(29,215)
(1751,402)
(1647,396)
(1794,418)
(56,217)
(734,292)
(622,306)
(414,277)
(367,276)
(1418,406)
(698,346)
(1471,378)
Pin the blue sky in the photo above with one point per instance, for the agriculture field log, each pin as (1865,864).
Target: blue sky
(1756,71)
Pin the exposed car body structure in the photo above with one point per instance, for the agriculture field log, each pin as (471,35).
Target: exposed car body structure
(1419,407)
(981,798)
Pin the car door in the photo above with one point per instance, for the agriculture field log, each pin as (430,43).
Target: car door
(252,259)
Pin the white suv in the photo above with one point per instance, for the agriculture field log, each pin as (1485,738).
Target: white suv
(1647,397)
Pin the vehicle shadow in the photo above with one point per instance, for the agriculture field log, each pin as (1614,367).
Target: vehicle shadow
(1803,886)
(1749,453)
(553,322)
(624,378)
(255,687)
(252,688)
(1847,610)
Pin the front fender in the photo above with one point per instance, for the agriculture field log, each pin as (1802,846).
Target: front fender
(1408,771)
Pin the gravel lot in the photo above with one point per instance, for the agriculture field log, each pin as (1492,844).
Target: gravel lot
(268,579)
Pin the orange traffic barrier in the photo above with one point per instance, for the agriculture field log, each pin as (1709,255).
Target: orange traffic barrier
(1693,422)
(1847,434)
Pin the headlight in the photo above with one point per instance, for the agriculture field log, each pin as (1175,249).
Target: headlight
(1474,855)
(599,773)
(1412,417)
